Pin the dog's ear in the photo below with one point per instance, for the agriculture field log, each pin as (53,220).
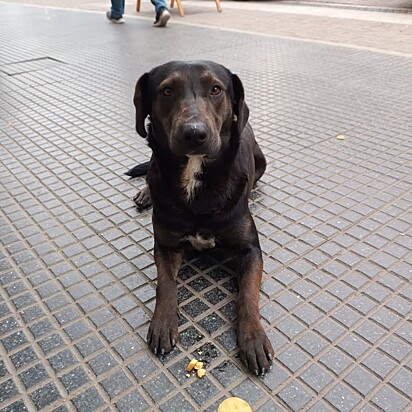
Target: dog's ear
(240,109)
(142,103)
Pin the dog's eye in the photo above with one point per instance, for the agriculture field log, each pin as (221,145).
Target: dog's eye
(215,90)
(167,91)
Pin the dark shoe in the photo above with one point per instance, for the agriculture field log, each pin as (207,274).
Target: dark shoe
(162,18)
(119,20)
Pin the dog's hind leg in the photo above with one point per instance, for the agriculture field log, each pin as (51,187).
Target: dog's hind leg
(143,199)
(260,162)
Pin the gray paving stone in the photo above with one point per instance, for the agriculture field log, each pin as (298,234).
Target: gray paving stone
(353,346)
(370,332)
(295,396)
(316,378)
(290,327)
(272,311)
(62,360)
(116,384)
(7,325)
(312,343)
(16,406)
(215,405)
(202,390)
(386,317)
(3,370)
(342,398)
(102,363)
(14,340)
(77,267)
(74,379)
(89,400)
(24,357)
(113,331)
(248,391)
(45,396)
(379,364)
(388,400)
(270,406)
(177,403)
(361,380)
(403,382)
(275,378)
(158,387)
(33,375)
(89,345)
(335,361)
(142,367)
(8,390)
(362,303)
(127,347)
(134,401)
(330,329)
(395,348)
(293,359)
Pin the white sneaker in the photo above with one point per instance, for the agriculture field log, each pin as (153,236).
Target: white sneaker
(120,20)
(162,18)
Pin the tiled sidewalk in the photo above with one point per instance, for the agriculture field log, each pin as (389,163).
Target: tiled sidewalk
(350,25)
(77,278)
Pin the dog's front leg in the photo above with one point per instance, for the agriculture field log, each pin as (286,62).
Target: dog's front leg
(255,347)
(163,333)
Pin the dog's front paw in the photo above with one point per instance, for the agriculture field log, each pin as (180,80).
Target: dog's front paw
(255,349)
(163,334)
(143,199)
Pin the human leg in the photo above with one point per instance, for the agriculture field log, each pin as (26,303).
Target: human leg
(162,13)
(159,5)
(117,9)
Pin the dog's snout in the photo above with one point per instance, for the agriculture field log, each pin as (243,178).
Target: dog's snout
(194,133)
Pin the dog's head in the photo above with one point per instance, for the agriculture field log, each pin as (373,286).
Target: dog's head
(194,107)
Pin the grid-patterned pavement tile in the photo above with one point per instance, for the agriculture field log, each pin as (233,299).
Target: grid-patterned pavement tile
(77,277)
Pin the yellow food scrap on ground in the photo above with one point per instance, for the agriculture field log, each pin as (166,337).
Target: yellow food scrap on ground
(340,137)
(201,373)
(234,405)
(191,365)
(199,365)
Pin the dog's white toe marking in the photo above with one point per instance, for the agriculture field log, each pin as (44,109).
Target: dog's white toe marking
(190,176)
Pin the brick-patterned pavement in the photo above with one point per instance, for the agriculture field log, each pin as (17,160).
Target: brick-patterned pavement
(77,278)
(362,3)
(353,26)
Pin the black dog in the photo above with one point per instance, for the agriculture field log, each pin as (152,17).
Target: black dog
(204,164)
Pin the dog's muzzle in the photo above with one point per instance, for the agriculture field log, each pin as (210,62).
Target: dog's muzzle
(194,138)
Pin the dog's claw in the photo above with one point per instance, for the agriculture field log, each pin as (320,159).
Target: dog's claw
(155,351)
(173,342)
(162,352)
(255,348)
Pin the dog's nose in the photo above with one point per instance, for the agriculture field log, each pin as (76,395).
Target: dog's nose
(194,133)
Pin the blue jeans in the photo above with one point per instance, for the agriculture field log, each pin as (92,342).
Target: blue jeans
(117,10)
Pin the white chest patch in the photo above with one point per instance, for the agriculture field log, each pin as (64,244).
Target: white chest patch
(200,243)
(190,175)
